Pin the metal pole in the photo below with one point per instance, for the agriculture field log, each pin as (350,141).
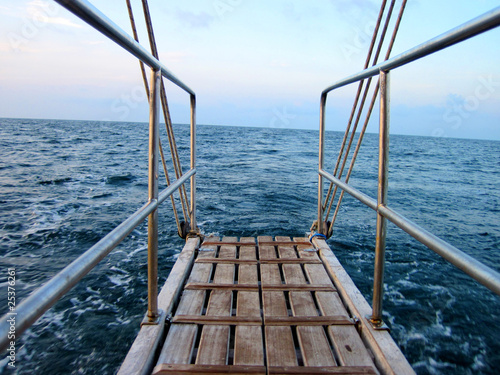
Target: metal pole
(193,162)
(154,113)
(383,163)
(321,161)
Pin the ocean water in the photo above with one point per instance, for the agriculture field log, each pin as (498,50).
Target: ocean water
(65,184)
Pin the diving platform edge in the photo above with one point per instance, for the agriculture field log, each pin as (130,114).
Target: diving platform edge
(262,306)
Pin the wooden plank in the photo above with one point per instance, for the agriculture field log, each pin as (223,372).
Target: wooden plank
(214,345)
(286,251)
(313,343)
(294,260)
(293,274)
(247,248)
(348,346)
(358,370)
(266,251)
(179,345)
(208,369)
(248,346)
(304,250)
(214,341)
(224,274)
(388,356)
(217,320)
(307,320)
(316,273)
(140,358)
(310,287)
(280,349)
(212,286)
(314,346)
(220,303)
(270,274)
(192,302)
(248,304)
(228,251)
(229,261)
(329,303)
(274,304)
(302,304)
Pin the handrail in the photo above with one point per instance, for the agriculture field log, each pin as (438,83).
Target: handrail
(31,308)
(477,270)
(95,18)
(474,27)
(35,305)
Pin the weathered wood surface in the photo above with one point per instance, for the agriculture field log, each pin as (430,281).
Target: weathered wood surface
(263,307)
(140,358)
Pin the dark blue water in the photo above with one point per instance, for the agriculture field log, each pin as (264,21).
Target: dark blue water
(65,184)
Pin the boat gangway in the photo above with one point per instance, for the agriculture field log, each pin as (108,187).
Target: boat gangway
(265,305)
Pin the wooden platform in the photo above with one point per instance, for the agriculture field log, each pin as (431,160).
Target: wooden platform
(259,306)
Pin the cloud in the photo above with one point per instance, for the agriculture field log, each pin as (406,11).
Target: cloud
(62,21)
(195,20)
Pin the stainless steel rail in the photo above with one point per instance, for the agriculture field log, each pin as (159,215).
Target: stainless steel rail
(95,18)
(30,309)
(478,271)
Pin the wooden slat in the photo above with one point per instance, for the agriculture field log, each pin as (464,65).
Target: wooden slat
(270,274)
(313,343)
(302,304)
(358,370)
(280,349)
(307,320)
(248,346)
(311,287)
(314,346)
(217,320)
(291,261)
(348,346)
(214,344)
(316,273)
(248,304)
(179,345)
(286,248)
(247,253)
(208,369)
(141,356)
(214,341)
(220,303)
(293,274)
(192,302)
(330,304)
(248,342)
(266,250)
(274,304)
(226,261)
(275,370)
(202,286)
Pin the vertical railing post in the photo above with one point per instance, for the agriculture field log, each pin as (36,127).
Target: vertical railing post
(383,163)
(321,162)
(193,162)
(154,116)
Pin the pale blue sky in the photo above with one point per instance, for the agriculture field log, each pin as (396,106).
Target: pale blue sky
(250,62)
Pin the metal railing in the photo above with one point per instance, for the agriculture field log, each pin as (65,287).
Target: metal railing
(477,270)
(34,306)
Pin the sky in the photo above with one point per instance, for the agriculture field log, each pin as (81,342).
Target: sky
(251,63)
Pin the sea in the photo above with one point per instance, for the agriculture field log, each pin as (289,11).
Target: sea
(66,184)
